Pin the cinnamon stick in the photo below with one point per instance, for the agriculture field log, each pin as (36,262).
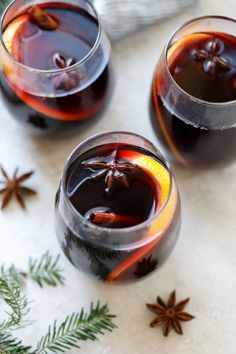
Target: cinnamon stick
(42,19)
(98,218)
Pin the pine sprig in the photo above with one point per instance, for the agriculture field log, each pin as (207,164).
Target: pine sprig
(11,293)
(11,345)
(97,256)
(15,274)
(46,270)
(43,271)
(60,337)
(77,327)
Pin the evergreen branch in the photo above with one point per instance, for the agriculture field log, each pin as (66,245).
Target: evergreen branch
(46,270)
(96,255)
(11,345)
(77,327)
(59,337)
(10,292)
(13,273)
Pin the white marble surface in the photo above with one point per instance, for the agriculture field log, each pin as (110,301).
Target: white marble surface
(203,264)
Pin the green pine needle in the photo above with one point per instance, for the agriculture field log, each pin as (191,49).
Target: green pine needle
(77,327)
(10,292)
(46,270)
(11,345)
(60,337)
(43,271)
(13,273)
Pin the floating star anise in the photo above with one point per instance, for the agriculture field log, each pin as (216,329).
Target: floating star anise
(145,266)
(170,314)
(12,187)
(66,80)
(211,57)
(112,170)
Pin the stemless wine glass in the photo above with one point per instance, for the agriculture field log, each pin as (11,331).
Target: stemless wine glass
(122,254)
(78,81)
(193,98)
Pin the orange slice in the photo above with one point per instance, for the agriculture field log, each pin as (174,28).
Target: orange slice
(164,128)
(160,174)
(8,39)
(11,31)
(173,53)
(162,221)
(37,103)
(9,34)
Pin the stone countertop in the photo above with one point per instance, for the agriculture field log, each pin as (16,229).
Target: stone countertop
(203,264)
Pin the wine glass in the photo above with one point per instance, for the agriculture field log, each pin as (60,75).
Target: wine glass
(193,98)
(55,63)
(108,234)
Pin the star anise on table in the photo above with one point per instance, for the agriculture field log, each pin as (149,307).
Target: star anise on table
(145,266)
(38,122)
(212,57)
(170,314)
(113,170)
(12,187)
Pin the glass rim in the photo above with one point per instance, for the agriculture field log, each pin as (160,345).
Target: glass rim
(109,229)
(53,71)
(166,48)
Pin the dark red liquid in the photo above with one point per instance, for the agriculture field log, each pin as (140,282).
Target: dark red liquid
(204,66)
(115,261)
(139,200)
(37,48)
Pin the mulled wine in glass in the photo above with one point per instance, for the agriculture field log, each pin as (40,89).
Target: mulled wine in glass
(193,100)
(117,207)
(55,67)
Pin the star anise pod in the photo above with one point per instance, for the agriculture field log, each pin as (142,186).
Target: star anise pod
(211,56)
(66,80)
(112,169)
(170,314)
(37,121)
(12,187)
(145,266)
